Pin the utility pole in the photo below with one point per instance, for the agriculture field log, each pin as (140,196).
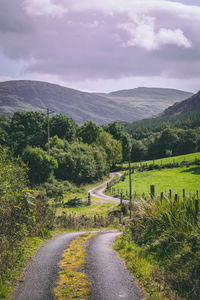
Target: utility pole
(130,188)
(48,128)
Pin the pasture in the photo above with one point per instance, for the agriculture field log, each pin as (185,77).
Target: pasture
(192,157)
(175,179)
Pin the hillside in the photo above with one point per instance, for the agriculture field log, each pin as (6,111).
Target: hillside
(23,95)
(152,93)
(189,105)
(185,114)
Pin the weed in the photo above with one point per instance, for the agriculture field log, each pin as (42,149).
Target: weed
(72,283)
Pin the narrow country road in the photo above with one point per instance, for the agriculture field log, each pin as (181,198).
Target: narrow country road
(109,278)
(40,275)
(97,191)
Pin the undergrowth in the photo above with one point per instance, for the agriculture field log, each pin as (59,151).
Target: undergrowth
(162,247)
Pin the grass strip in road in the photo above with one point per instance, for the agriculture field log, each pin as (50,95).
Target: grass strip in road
(71,282)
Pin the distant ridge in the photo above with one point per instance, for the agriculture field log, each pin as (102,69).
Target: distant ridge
(146,92)
(126,106)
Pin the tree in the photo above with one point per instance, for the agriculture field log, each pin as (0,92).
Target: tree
(40,164)
(118,133)
(16,209)
(168,140)
(102,167)
(28,128)
(63,127)
(4,131)
(113,148)
(139,151)
(187,141)
(89,132)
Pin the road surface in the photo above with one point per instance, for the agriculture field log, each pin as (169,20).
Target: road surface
(97,191)
(109,278)
(38,280)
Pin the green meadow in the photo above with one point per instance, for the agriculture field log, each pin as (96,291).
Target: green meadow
(175,179)
(168,160)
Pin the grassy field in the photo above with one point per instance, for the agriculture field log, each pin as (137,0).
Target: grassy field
(174,159)
(96,208)
(176,179)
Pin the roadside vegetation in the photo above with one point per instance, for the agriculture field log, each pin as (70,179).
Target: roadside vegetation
(162,247)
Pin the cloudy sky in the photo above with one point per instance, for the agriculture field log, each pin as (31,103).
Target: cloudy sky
(102,45)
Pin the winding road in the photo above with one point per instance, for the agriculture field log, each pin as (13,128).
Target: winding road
(97,191)
(40,275)
(110,280)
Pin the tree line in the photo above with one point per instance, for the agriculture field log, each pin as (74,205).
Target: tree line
(86,153)
(79,154)
(165,136)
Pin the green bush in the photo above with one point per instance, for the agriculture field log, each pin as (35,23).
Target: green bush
(40,164)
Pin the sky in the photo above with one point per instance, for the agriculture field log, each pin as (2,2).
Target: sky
(102,45)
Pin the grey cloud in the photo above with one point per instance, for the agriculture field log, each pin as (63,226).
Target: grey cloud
(13,18)
(83,45)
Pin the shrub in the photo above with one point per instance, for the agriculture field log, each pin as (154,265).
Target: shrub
(40,164)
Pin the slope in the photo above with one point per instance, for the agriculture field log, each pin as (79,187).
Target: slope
(23,95)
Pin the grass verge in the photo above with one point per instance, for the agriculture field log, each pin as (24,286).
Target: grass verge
(30,246)
(145,269)
(72,283)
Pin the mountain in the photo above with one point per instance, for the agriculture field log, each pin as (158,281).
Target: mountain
(152,93)
(23,95)
(185,114)
(189,105)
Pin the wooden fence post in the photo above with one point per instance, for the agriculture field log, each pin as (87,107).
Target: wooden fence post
(170,194)
(196,206)
(176,198)
(183,193)
(120,217)
(89,199)
(161,197)
(121,199)
(152,191)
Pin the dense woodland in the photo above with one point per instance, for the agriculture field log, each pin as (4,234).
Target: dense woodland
(165,136)
(79,154)
(86,153)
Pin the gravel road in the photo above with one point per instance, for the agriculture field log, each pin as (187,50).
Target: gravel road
(40,275)
(109,278)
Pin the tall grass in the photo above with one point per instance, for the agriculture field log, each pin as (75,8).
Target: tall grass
(168,231)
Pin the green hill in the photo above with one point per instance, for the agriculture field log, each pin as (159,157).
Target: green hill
(185,114)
